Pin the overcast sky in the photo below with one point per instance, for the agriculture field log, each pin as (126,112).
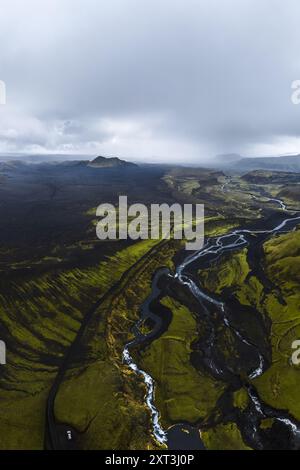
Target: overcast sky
(150,80)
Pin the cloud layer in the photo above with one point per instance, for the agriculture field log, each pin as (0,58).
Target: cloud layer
(149,79)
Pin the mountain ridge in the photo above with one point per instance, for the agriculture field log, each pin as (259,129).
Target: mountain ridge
(110,162)
(284,163)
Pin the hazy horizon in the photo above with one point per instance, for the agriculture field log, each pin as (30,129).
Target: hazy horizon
(217,161)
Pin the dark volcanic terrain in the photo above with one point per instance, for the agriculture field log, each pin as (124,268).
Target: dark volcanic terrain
(70,303)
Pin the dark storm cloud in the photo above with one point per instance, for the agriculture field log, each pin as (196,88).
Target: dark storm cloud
(150,78)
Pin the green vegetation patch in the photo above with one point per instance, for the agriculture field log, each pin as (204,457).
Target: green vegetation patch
(279,386)
(182,393)
(224,437)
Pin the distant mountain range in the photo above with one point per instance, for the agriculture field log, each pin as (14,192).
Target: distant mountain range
(12,161)
(98,162)
(287,164)
(226,162)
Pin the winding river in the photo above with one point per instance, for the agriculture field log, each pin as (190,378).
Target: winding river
(213,249)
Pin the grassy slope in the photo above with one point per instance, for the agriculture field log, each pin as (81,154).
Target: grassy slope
(279,386)
(115,415)
(40,318)
(183,394)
